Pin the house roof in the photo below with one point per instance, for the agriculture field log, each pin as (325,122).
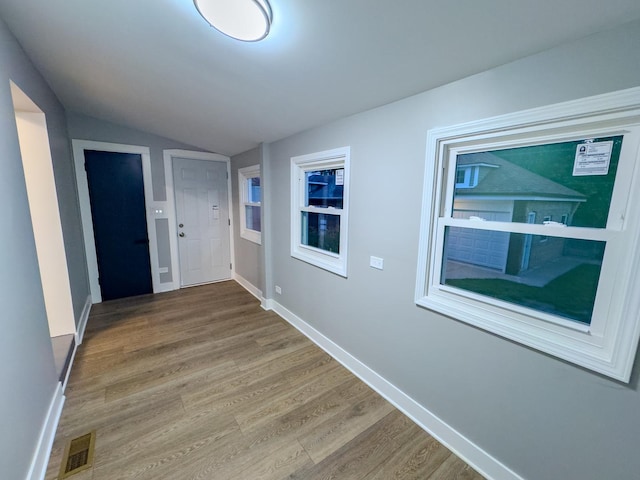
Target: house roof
(510,180)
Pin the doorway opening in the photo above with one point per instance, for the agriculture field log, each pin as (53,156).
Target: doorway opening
(210,197)
(204,225)
(35,150)
(153,211)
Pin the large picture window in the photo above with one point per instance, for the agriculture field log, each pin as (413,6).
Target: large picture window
(319,206)
(530,223)
(250,203)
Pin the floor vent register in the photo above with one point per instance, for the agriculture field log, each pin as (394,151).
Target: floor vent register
(78,455)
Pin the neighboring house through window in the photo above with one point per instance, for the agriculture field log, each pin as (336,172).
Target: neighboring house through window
(319,209)
(492,254)
(467,175)
(250,188)
(497,193)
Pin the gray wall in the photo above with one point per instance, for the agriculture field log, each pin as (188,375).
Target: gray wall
(248,255)
(27,372)
(64,173)
(82,127)
(542,417)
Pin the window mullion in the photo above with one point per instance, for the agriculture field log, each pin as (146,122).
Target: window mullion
(598,234)
(324,210)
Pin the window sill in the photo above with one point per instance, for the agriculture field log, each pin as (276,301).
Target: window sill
(252,236)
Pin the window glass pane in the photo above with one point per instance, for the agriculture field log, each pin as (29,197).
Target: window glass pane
(324,188)
(252,216)
(572,180)
(253,185)
(461,175)
(321,230)
(549,274)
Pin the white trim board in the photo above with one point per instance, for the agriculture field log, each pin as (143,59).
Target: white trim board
(248,286)
(169,208)
(82,322)
(476,457)
(42,451)
(79,336)
(79,146)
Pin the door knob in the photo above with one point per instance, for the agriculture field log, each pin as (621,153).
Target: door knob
(181,234)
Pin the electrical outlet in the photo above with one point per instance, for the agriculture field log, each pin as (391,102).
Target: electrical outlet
(278,289)
(376,262)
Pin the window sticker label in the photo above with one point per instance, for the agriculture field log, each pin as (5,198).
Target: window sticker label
(592,158)
(340,177)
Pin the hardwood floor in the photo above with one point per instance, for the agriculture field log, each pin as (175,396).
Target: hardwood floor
(203,384)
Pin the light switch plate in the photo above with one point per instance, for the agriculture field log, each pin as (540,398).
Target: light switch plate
(376,262)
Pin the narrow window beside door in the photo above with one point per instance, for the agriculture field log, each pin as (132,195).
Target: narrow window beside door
(250,193)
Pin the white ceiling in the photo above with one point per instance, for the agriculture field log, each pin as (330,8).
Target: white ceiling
(155,65)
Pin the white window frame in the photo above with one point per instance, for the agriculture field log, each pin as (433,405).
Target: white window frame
(608,345)
(244,175)
(328,159)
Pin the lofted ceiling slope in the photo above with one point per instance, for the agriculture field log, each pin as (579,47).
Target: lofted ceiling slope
(156,66)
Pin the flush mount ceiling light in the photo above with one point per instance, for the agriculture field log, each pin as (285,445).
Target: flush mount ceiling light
(246,20)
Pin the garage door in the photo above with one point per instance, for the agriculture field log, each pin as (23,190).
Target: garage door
(484,248)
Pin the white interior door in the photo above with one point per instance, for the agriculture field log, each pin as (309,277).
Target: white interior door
(202,214)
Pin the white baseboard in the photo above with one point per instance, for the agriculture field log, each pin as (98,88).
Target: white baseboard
(45,442)
(248,286)
(472,454)
(167,287)
(82,323)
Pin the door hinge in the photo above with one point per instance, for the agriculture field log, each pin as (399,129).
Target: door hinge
(229,220)
(231,266)
(227,175)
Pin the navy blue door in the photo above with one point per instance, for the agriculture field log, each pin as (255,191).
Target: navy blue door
(116,191)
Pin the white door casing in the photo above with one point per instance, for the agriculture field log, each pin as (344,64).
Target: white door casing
(202,214)
(169,207)
(79,146)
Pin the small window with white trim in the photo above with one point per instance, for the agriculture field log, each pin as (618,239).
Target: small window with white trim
(319,209)
(249,184)
(491,253)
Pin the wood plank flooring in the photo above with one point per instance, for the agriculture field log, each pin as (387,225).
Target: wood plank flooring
(203,384)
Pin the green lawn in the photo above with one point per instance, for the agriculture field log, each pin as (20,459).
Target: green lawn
(571,295)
